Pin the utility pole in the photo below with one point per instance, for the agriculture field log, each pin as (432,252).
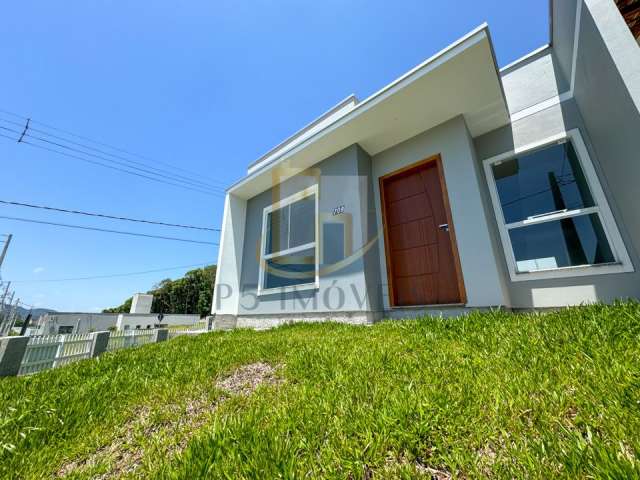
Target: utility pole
(5,248)
(25,325)
(12,317)
(6,314)
(4,297)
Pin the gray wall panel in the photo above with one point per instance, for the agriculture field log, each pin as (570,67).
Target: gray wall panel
(345,289)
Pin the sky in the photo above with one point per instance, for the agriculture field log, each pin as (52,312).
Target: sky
(205,86)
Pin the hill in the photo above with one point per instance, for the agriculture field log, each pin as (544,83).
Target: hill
(192,293)
(488,395)
(36,312)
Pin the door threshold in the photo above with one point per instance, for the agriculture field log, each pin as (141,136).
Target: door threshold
(432,306)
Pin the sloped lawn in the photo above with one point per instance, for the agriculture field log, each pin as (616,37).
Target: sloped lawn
(488,395)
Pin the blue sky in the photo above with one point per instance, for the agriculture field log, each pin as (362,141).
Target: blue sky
(203,85)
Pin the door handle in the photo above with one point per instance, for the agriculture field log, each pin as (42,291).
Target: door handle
(444,227)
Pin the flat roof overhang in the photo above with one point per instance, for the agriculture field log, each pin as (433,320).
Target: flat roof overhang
(462,79)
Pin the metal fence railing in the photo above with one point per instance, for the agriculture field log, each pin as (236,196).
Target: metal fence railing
(53,351)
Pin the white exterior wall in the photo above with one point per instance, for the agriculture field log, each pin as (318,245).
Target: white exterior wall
(49,323)
(129,321)
(226,292)
(483,281)
(141,303)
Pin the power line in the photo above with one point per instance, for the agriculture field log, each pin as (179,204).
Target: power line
(119,149)
(213,194)
(114,275)
(95,229)
(195,184)
(90,214)
(44,132)
(188,185)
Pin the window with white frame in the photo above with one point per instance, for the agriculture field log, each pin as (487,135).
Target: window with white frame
(553,217)
(289,254)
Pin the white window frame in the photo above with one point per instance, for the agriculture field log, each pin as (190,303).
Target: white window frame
(622,263)
(307,192)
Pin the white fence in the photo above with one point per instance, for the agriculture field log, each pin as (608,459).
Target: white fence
(129,338)
(53,351)
(29,355)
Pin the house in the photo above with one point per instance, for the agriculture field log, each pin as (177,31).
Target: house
(458,186)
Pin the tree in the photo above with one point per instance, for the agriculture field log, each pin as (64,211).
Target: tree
(124,308)
(192,293)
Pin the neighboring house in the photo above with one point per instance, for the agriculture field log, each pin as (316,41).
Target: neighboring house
(458,186)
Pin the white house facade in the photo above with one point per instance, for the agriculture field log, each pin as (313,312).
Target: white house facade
(458,186)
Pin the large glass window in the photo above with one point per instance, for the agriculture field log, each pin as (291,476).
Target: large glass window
(549,180)
(551,216)
(289,257)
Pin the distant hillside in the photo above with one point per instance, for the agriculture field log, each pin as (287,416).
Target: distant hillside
(36,312)
(192,293)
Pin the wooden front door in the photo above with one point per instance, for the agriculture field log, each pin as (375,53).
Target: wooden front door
(422,259)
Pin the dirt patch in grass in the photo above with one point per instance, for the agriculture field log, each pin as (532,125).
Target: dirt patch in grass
(418,468)
(125,453)
(247,378)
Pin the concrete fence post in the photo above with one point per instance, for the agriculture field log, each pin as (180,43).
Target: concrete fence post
(12,351)
(99,343)
(161,334)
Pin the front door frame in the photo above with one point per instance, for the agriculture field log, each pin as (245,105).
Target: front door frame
(437,159)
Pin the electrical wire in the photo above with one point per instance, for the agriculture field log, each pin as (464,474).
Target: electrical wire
(113,275)
(174,175)
(91,214)
(95,229)
(187,186)
(213,194)
(122,150)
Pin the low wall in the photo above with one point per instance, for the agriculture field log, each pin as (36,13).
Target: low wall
(131,321)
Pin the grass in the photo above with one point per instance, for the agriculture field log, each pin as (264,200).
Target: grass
(487,395)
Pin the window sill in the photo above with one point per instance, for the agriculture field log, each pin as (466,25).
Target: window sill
(293,288)
(569,272)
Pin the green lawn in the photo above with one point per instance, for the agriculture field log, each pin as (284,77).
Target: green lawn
(488,395)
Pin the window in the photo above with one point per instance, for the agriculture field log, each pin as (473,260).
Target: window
(289,254)
(553,217)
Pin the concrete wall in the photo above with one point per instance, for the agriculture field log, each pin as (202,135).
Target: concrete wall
(141,303)
(343,180)
(533,81)
(607,92)
(131,321)
(564,21)
(50,323)
(226,291)
(451,140)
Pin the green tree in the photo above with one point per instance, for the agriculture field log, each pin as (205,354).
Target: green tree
(192,293)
